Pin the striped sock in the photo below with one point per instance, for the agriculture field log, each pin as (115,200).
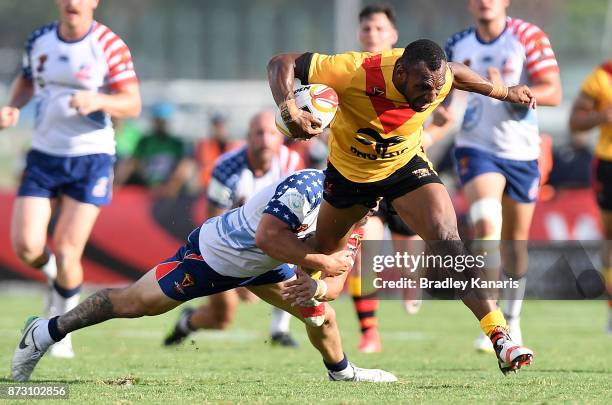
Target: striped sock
(366,307)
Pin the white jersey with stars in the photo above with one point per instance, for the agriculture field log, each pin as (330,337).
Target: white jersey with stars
(227,242)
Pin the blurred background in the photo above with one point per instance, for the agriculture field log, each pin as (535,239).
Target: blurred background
(209,57)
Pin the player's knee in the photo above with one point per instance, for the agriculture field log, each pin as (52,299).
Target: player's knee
(330,316)
(27,251)
(486,218)
(67,256)
(443,230)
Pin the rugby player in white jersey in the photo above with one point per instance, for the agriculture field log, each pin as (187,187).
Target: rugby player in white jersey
(236,177)
(248,247)
(498,147)
(79,74)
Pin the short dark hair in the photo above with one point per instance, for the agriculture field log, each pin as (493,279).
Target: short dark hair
(369,10)
(424,50)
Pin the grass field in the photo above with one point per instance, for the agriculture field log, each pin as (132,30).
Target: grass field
(122,361)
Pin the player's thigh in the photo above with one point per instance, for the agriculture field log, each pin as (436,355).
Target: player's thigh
(485,185)
(517,219)
(334,225)
(29,223)
(147,297)
(74,224)
(428,210)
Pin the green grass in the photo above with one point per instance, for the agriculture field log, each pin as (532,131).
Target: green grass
(122,361)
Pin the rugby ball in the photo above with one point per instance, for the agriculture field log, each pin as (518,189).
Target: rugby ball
(318,99)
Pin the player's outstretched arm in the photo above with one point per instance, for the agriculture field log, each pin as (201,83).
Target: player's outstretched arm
(584,116)
(466,79)
(278,241)
(22,91)
(281,73)
(304,288)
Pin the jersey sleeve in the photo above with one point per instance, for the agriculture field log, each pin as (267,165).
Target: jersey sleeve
(449,48)
(219,192)
(26,63)
(539,54)
(295,198)
(118,58)
(592,85)
(335,71)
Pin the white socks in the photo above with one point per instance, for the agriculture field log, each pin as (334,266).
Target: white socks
(513,299)
(280,321)
(183,323)
(41,335)
(49,269)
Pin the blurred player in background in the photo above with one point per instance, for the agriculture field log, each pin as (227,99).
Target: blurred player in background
(378,33)
(244,247)
(79,74)
(498,147)
(593,108)
(237,176)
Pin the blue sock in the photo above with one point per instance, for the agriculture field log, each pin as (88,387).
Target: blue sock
(341,365)
(54,331)
(66,292)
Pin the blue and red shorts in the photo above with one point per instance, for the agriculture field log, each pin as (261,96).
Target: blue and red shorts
(186,275)
(88,179)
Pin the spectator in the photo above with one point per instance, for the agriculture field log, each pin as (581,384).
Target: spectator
(208,150)
(161,161)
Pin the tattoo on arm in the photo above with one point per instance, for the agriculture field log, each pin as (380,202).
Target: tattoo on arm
(95,309)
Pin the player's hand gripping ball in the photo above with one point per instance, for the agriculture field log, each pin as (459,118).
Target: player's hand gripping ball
(317,99)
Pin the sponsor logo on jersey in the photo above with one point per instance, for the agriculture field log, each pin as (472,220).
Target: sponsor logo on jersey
(369,137)
(42,59)
(375,92)
(84,72)
(420,173)
(301,228)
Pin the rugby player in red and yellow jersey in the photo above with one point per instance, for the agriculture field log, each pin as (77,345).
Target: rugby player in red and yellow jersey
(593,108)
(376,150)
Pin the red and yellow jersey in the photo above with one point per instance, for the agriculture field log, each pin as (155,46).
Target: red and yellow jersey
(598,86)
(374,132)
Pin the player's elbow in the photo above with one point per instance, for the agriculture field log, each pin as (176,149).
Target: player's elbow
(556,98)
